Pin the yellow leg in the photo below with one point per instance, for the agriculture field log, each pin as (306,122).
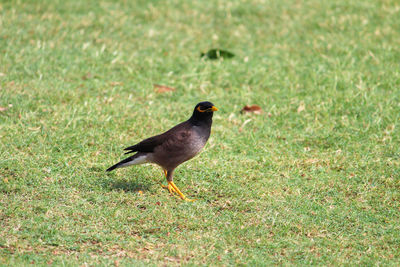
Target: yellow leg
(183,197)
(169,187)
(172,188)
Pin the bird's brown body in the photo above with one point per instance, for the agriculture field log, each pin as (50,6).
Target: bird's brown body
(175,146)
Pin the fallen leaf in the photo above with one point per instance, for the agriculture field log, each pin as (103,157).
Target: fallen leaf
(217,53)
(163,89)
(253,109)
(116,83)
(3,108)
(301,107)
(244,124)
(87,76)
(34,128)
(171,258)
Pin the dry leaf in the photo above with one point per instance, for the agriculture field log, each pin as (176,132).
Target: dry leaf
(244,124)
(3,108)
(163,89)
(301,107)
(116,83)
(87,76)
(256,109)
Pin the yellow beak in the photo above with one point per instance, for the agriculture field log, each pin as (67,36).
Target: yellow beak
(214,108)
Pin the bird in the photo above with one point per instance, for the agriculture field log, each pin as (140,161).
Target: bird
(173,147)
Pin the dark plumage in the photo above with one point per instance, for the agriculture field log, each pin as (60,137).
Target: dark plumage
(175,146)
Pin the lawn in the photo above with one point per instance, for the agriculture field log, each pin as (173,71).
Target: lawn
(312,180)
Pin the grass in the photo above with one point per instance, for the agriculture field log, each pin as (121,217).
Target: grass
(313,180)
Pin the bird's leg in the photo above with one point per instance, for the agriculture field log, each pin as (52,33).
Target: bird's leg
(183,197)
(172,187)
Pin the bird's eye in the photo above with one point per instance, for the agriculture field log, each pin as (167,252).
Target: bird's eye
(200,110)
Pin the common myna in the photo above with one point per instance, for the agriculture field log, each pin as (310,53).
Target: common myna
(175,146)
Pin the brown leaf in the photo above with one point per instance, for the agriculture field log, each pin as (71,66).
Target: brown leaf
(163,89)
(301,107)
(116,83)
(3,108)
(256,109)
(87,76)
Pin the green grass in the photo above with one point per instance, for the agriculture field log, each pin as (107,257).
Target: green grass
(313,180)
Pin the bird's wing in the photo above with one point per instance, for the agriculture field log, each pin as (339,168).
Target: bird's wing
(178,132)
(177,141)
(147,145)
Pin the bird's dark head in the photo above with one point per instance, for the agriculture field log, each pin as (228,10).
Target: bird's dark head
(203,111)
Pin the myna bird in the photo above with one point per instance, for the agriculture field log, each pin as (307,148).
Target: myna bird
(175,146)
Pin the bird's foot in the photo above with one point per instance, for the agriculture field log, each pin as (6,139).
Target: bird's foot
(172,188)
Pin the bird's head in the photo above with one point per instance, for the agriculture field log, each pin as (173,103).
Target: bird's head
(204,110)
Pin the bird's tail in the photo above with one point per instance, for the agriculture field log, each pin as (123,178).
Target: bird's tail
(138,158)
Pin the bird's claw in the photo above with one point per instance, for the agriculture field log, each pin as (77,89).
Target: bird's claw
(172,188)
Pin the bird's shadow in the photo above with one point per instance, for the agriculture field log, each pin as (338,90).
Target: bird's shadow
(131,184)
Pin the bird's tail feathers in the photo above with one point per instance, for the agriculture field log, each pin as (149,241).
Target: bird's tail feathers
(138,158)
